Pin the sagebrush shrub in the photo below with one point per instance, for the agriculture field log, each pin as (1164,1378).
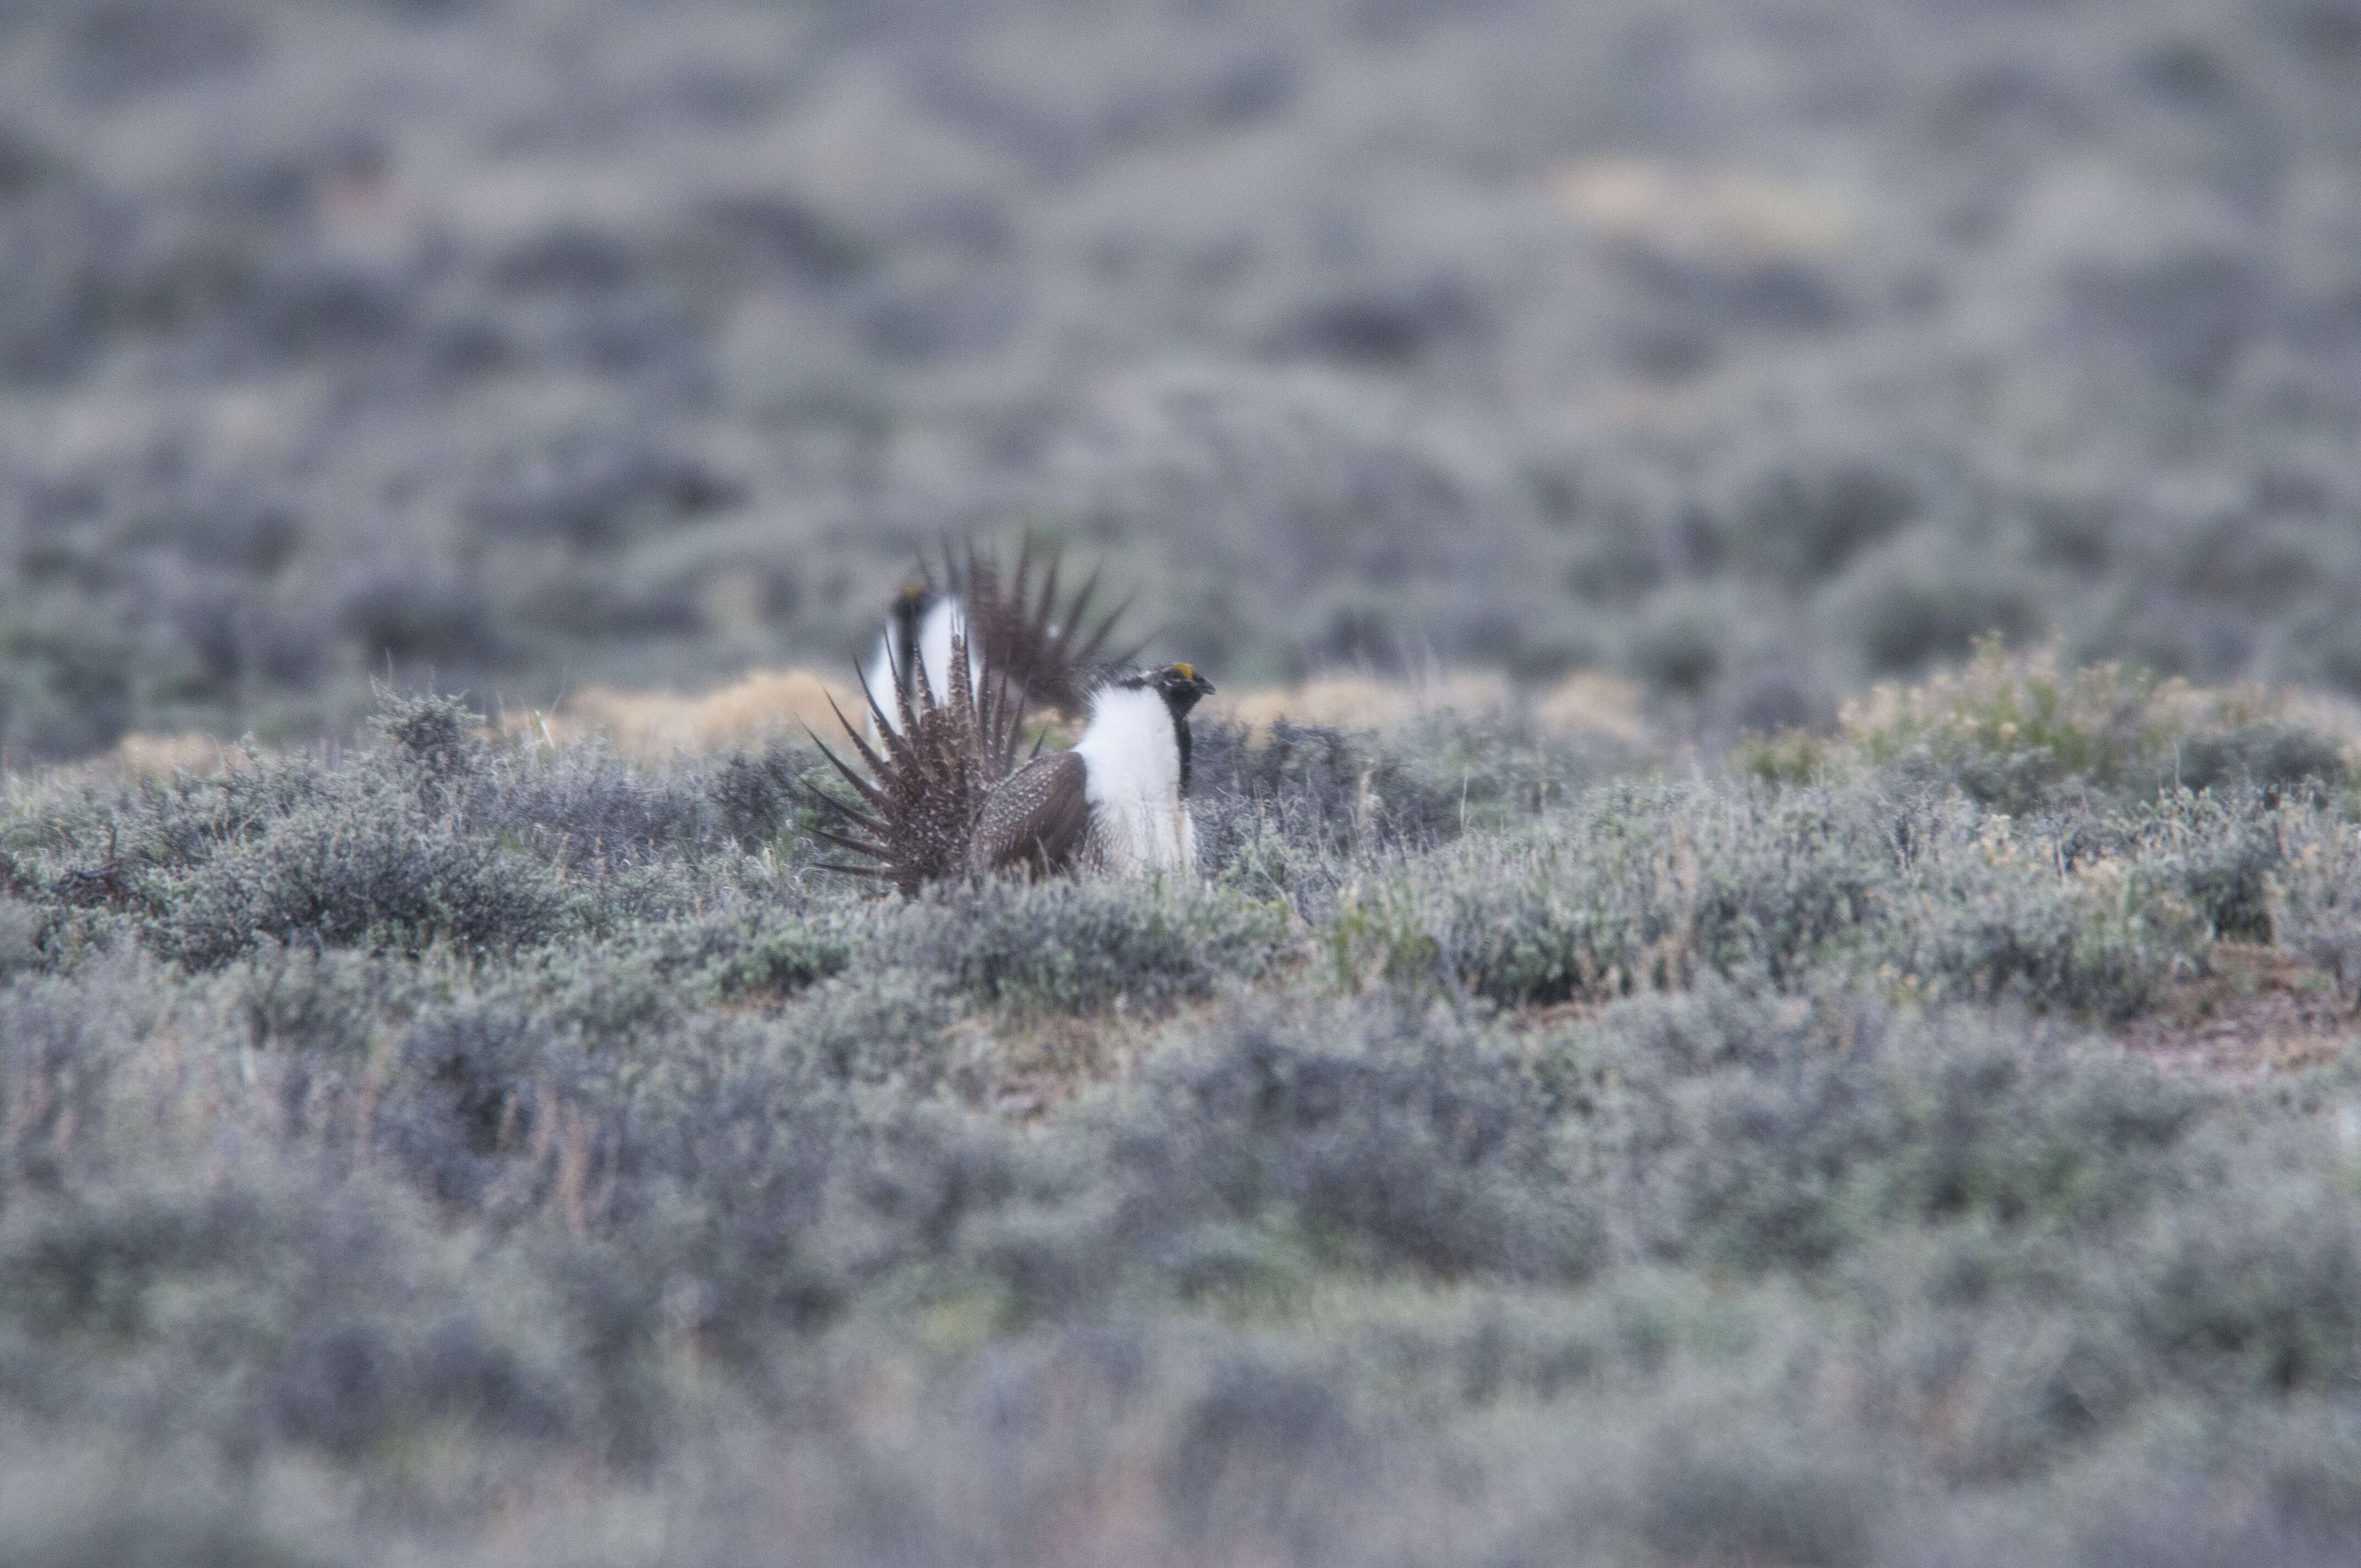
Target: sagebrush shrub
(1390,1138)
(377,875)
(1638,889)
(1079,945)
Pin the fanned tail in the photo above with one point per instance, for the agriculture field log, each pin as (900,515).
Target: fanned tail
(1023,630)
(910,819)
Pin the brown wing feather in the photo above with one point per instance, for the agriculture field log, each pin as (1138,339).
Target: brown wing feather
(1038,820)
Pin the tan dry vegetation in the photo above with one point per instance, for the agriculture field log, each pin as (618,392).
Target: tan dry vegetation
(1589,702)
(760,706)
(764,705)
(1592,702)
(140,755)
(767,703)
(1705,214)
(1359,702)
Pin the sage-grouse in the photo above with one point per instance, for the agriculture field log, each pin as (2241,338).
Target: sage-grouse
(943,798)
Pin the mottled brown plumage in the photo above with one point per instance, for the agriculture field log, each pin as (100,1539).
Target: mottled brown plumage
(1116,802)
(1037,822)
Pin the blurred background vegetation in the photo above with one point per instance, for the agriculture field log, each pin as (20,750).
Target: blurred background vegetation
(1748,350)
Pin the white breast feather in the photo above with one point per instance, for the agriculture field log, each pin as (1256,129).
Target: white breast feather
(1133,784)
(943,619)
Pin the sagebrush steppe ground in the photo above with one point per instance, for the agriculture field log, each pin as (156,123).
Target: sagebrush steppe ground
(1518,1148)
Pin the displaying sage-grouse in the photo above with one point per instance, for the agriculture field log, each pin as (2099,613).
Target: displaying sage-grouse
(1117,801)
(1015,628)
(943,799)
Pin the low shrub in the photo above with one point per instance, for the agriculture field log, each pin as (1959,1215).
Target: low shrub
(1649,888)
(373,875)
(1072,946)
(1383,1137)
(2015,735)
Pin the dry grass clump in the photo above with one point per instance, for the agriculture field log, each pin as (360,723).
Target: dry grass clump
(1359,702)
(1587,703)
(143,753)
(1591,702)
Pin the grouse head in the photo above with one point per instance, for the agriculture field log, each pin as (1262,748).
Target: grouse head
(1180,686)
(916,597)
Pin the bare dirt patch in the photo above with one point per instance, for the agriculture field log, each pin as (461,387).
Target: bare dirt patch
(2257,1010)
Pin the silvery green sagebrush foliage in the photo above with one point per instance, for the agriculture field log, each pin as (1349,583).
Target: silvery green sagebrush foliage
(1640,887)
(2048,1246)
(1815,1231)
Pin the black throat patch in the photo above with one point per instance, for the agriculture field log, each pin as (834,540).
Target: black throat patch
(1178,706)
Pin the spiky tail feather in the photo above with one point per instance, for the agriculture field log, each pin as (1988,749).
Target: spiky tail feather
(914,813)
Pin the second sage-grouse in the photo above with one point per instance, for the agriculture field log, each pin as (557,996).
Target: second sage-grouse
(1015,626)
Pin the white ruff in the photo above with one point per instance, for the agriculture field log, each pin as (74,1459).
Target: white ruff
(944,617)
(1133,784)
